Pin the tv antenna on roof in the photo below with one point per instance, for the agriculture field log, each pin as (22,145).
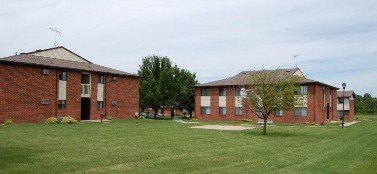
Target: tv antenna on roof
(295,59)
(57,32)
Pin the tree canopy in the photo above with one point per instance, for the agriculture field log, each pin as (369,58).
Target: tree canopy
(270,91)
(165,84)
(366,104)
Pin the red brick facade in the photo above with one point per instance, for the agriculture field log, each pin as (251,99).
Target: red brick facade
(318,97)
(23,86)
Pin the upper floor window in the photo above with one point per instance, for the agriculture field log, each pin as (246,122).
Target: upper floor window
(205,92)
(222,91)
(101,79)
(302,90)
(340,100)
(237,91)
(63,75)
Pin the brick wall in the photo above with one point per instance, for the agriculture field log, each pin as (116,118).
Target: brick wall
(315,101)
(22,87)
(21,91)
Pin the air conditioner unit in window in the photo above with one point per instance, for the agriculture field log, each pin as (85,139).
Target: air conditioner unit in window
(114,102)
(44,101)
(45,71)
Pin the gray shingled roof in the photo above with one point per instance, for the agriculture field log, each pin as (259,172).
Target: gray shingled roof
(59,63)
(241,79)
(346,93)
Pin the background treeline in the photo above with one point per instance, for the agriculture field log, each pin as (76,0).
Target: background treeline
(366,104)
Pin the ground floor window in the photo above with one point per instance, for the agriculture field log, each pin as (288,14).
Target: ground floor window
(278,113)
(205,110)
(238,110)
(62,104)
(222,110)
(301,111)
(339,113)
(99,104)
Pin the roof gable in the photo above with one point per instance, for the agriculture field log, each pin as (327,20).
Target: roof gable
(58,53)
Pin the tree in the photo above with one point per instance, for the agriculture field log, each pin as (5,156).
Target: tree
(187,96)
(163,84)
(271,90)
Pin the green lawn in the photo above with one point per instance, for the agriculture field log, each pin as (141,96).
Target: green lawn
(164,146)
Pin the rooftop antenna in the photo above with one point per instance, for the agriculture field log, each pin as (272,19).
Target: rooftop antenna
(295,59)
(57,32)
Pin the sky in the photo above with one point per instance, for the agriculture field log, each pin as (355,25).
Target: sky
(331,41)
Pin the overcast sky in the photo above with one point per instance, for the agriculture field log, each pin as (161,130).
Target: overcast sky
(336,40)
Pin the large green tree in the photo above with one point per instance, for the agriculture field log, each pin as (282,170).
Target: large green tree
(270,91)
(163,84)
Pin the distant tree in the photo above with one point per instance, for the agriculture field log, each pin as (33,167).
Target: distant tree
(369,104)
(271,90)
(358,103)
(163,84)
(187,94)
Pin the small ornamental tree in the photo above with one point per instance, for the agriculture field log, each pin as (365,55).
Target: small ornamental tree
(270,91)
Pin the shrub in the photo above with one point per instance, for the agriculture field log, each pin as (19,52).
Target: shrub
(51,120)
(109,117)
(247,120)
(68,120)
(8,121)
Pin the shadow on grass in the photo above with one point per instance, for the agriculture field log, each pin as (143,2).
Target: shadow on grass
(273,133)
(13,156)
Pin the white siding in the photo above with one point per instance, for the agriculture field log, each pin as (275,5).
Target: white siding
(205,100)
(100,88)
(222,101)
(238,101)
(60,53)
(62,93)
(301,101)
(346,105)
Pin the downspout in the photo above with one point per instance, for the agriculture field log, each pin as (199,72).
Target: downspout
(315,103)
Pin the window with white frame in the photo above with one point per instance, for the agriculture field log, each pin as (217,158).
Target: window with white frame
(302,90)
(237,91)
(238,110)
(222,110)
(339,113)
(101,79)
(205,92)
(205,110)
(340,100)
(62,104)
(301,111)
(63,75)
(222,91)
(278,113)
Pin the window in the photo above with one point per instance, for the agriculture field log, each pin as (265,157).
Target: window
(237,91)
(222,91)
(302,90)
(205,110)
(62,104)
(205,92)
(63,75)
(278,113)
(340,100)
(101,79)
(339,113)
(300,111)
(99,104)
(222,110)
(258,111)
(238,110)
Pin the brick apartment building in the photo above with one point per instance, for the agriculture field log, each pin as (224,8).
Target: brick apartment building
(349,104)
(222,100)
(57,82)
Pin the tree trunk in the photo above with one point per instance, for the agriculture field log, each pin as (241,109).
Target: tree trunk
(265,126)
(172,112)
(155,112)
(190,112)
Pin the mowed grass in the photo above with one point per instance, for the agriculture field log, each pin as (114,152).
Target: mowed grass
(164,146)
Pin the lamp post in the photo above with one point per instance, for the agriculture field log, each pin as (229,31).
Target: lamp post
(344,87)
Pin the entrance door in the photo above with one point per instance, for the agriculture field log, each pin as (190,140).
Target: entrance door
(85,108)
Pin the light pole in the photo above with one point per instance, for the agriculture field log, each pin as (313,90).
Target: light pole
(344,87)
